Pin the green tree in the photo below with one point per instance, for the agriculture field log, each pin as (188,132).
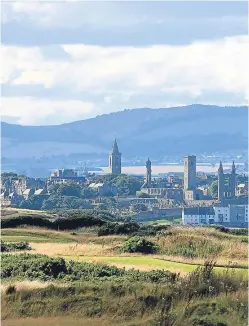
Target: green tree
(64,202)
(66,189)
(213,189)
(88,193)
(34,202)
(125,184)
(139,208)
(138,244)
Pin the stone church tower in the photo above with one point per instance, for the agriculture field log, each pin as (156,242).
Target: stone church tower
(148,173)
(115,159)
(226,183)
(220,182)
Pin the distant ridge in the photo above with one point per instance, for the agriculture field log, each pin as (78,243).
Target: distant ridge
(155,132)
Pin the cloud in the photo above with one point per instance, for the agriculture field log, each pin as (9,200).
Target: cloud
(33,111)
(120,22)
(77,13)
(197,67)
(97,80)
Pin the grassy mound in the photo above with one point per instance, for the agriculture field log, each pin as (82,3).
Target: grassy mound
(201,298)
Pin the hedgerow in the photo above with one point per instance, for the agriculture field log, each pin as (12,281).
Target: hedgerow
(14,246)
(26,266)
(138,244)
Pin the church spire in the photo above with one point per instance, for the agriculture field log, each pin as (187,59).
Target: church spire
(148,172)
(220,170)
(115,146)
(115,159)
(233,168)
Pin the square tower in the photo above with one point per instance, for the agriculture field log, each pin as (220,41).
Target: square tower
(190,177)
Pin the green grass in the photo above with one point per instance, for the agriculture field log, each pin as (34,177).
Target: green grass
(15,235)
(59,321)
(165,221)
(146,262)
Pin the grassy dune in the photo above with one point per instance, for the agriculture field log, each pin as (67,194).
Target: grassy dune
(15,212)
(38,235)
(180,251)
(61,321)
(124,304)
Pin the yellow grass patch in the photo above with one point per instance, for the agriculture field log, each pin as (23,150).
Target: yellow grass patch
(77,249)
(28,285)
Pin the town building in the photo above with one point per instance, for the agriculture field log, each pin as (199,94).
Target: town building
(9,196)
(24,183)
(190,177)
(242,189)
(198,215)
(229,216)
(160,187)
(115,159)
(226,183)
(103,189)
(64,176)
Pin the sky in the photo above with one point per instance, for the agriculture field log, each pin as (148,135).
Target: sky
(67,61)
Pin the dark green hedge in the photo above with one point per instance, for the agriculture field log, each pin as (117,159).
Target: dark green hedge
(27,266)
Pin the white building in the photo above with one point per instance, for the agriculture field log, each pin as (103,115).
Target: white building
(231,215)
(222,214)
(198,215)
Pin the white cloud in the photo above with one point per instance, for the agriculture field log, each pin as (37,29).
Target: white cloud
(72,13)
(75,13)
(33,111)
(115,78)
(195,68)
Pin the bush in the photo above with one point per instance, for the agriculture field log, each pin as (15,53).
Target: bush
(138,244)
(223,229)
(66,220)
(151,230)
(15,246)
(118,228)
(26,266)
(11,289)
(131,228)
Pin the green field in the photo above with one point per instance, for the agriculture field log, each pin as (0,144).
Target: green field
(95,294)
(36,235)
(165,221)
(145,262)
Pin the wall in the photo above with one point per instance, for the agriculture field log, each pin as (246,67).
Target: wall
(158,213)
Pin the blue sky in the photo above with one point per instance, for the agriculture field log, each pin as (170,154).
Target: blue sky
(66,61)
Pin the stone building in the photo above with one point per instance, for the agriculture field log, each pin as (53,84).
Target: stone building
(190,177)
(9,196)
(160,187)
(103,189)
(63,176)
(115,159)
(226,184)
(28,183)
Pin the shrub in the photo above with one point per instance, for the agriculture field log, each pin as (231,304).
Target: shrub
(66,220)
(118,228)
(26,266)
(151,230)
(241,231)
(15,246)
(138,244)
(11,289)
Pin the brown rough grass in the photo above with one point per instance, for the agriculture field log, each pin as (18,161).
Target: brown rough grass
(78,249)
(28,285)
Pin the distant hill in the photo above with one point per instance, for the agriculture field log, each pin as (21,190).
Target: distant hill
(153,132)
